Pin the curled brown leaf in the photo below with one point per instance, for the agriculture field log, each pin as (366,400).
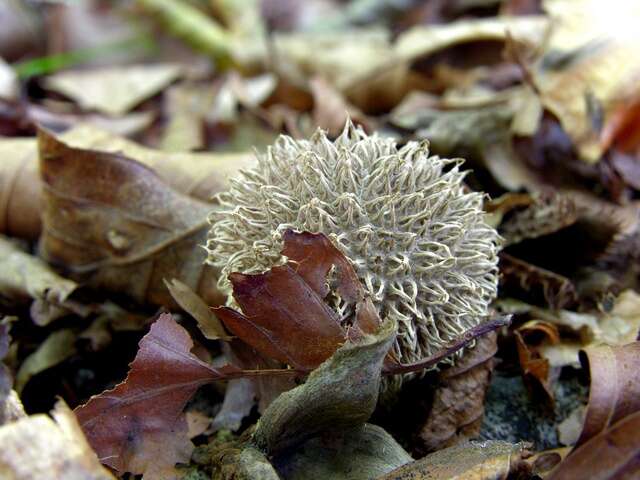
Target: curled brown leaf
(615,386)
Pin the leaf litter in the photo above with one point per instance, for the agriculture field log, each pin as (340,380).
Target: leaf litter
(111,163)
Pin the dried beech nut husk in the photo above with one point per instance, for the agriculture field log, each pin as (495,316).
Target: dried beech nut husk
(415,234)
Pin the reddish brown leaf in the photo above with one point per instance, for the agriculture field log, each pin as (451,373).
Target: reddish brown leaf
(313,255)
(615,386)
(139,426)
(114,224)
(284,318)
(610,455)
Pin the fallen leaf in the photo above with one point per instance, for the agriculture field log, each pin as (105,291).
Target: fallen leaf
(113,223)
(23,276)
(458,402)
(361,453)
(195,306)
(199,175)
(535,369)
(113,90)
(548,213)
(611,454)
(57,347)
(197,423)
(341,393)
(139,426)
(615,386)
(589,68)
(39,447)
(488,460)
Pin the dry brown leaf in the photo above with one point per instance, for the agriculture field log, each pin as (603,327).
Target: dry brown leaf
(113,90)
(535,369)
(458,403)
(548,213)
(467,461)
(590,68)
(38,447)
(200,175)
(195,306)
(610,455)
(615,386)
(112,222)
(557,291)
(23,277)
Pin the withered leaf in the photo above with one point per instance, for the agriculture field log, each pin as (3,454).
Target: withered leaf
(113,223)
(313,256)
(615,386)
(611,454)
(58,346)
(338,395)
(113,90)
(39,447)
(557,290)
(285,318)
(199,175)
(535,369)
(458,402)
(469,461)
(24,276)
(139,426)
(191,303)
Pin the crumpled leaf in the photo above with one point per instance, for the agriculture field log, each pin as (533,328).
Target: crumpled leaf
(139,426)
(113,90)
(488,460)
(611,454)
(330,109)
(615,386)
(199,175)
(10,406)
(458,402)
(23,276)
(58,346)
(112,222)
(589,68)
(41,447)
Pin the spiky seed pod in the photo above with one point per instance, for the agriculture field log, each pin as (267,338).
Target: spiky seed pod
(416,236)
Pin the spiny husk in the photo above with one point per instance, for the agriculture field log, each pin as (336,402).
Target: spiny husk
(416,235)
